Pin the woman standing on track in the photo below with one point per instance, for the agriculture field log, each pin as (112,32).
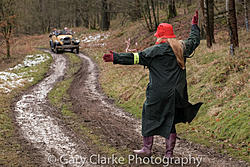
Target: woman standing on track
(166,95)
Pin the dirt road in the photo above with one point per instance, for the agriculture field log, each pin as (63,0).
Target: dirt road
(50,138)
(39,123)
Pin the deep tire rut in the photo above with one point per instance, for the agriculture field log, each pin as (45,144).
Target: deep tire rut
(38,123)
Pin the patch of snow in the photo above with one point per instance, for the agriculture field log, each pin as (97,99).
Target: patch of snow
(17,67)
(32,60)
(6,90)
(8,76)
(95,38)
(11,79)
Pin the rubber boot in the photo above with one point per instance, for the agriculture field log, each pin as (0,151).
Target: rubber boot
(147,146)
(170,144)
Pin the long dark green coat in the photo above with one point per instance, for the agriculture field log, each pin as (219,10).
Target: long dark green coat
(166,96)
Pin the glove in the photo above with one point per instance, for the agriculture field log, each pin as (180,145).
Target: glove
(108,57)
(195,18)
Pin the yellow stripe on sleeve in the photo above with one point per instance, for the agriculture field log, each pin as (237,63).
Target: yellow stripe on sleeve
(136,58)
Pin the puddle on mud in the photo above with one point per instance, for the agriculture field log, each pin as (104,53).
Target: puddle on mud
(35,120)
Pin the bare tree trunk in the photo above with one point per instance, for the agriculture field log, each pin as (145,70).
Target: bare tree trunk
(158,13)
(135,12)
(154,13)
(171,9)
(202,20)
(86,21)
(232,24)
(105,18)
(161,5)
(207,24)
(7,34)
(77,17)
(149,15)
(7,48)
(7,22)
(41,17)
(246,14)
(150,12)
(211,19)
(138,7)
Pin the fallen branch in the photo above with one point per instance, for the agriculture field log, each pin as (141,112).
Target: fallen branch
(128,45)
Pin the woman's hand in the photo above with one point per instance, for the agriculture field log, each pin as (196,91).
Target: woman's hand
(195,18)
(108,57)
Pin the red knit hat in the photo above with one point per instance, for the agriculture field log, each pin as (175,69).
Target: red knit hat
(165,30)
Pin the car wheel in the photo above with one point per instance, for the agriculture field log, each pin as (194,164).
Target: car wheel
(51,47)
(56,51)
(54,48)
(77,50)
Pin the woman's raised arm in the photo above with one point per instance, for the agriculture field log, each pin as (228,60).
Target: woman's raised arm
(193,40)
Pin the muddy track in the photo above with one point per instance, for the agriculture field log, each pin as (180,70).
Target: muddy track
(120,129)
(40,123)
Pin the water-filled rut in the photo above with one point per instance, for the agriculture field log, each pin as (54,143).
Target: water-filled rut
(35,119)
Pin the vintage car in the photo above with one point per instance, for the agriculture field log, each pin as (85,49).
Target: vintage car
(62,40)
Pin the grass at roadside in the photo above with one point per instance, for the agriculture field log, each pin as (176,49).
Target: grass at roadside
(222,83)
(11,153)
(20,47)
(60,98)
